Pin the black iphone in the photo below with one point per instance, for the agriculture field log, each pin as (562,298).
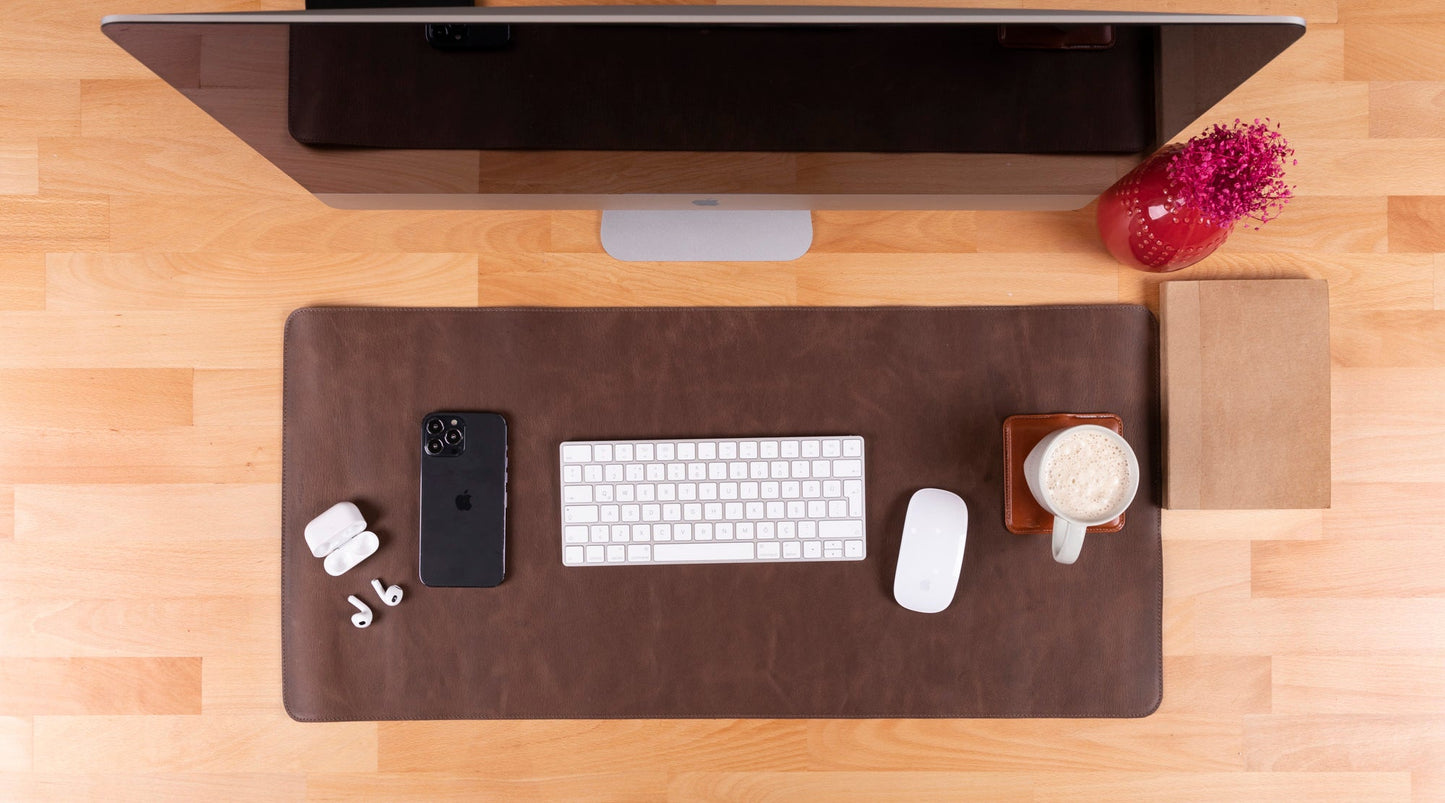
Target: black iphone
(463,499)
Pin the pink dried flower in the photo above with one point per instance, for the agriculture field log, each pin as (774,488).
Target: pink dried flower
(1229,173)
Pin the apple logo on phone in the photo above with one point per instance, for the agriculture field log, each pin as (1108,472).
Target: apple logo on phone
(464,500)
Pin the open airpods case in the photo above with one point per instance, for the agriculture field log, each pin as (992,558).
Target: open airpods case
(340,536)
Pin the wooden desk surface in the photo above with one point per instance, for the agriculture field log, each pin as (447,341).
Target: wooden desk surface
(148,259)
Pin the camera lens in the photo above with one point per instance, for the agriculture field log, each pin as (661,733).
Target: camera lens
(434,446)
(434,426)
(454,436)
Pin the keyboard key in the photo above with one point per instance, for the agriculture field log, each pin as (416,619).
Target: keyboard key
(697,471)
(852,549)
(733,510)
(727,490)
(706,490)
(852,448)
(707,450)
(754,510)
(787,529)
(572,555)
(665,452)
(809,448)
(592,474)
(651,512)
(764,529)
(807,529)
(624,493)
(821,468)
(792,550)
(778,469)
(635,472)
(744,529)
(748,490)
(662,532)
(676,471)
(687,491)
(575,534)
(600,533)
(847,468)
(612,472)
(638,553)
(853,492)
(672,512)
(641,533)
(788,449)
(576,494)
(643,452)
(666,492)
(616,553)
(812,489)
(817,508)
(623,452)
(799,469)
(712,511)
(609,513)
(737,471)
(621,533)
(832,448)
(595,554)
(580,514)
(725,551)
(748,450)
(576,453)
(682,532)
(837,508)
(656,472)
(770,551)
(727,450)
(602,453)
(717,471)
(775,510)
(571,473)
(723,531)
(832,488)
(702,531)
(692,512)
(768,450)
(769,490)
(645,492)
(812,549)
(840,529)
(687,451)
(604,493)
(758,470)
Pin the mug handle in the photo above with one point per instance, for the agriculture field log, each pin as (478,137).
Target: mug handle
(1068,540)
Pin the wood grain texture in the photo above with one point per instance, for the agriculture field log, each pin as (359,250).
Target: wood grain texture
(148,261)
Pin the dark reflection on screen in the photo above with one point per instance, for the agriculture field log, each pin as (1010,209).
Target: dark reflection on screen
(547,108)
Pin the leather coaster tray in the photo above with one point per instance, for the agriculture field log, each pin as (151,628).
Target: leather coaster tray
(1022,513)
(928,389)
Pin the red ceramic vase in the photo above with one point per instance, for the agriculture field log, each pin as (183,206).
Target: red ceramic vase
(1145,225)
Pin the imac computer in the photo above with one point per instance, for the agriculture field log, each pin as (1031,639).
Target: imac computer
(704,132)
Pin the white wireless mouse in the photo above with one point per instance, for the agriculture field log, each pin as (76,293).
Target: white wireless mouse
(931,555)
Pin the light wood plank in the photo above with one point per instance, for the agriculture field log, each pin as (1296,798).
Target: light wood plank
(1285,787)
(7,513)
(181,744)
(142,339)
(1216,684)
(64,787)
(1176,742)
(241,683)
(1313,224)
(135,626)
(38,107)
(1317,56)
(238,397)
(304,225)
(1370,167)
(1206,568)
(1410,684)
(148,513)
(1242,525)
(1372,743)
(529,748)
(1313,109)
(1379,338)
(230,281)
(22,281)
(1375,52)
(1357,282)
(129,456)
(1440,281)
(1383,510)
(171,165)
(892,232)
(582,280)
(1384,424)
(34,223)
(1269,626)
(19,169)
(1407,109)
(1417,224)
(187,565)
(114,398)
(1392,11)
(641,784)
(100,686)
(15,742)
(142,107)
(849,280)
(1346,569)
(852,786)
(1073,232)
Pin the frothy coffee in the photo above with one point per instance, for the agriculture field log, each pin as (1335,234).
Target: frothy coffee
(1086,476)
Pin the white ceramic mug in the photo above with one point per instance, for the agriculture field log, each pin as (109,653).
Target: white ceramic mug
(1071,522)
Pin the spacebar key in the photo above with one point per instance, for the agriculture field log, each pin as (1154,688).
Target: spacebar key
(680,553)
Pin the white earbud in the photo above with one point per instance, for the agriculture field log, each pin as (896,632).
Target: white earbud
(391,595)
(362,619)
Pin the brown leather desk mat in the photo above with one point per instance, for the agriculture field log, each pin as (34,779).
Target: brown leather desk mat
(928,388)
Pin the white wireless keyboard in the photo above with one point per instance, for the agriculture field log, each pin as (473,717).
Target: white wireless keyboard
(713,500)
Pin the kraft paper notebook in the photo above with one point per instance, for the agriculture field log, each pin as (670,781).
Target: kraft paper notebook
(927,388)
(1246,393)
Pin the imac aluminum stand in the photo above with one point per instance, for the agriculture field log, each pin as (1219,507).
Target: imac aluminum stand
(707,235)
